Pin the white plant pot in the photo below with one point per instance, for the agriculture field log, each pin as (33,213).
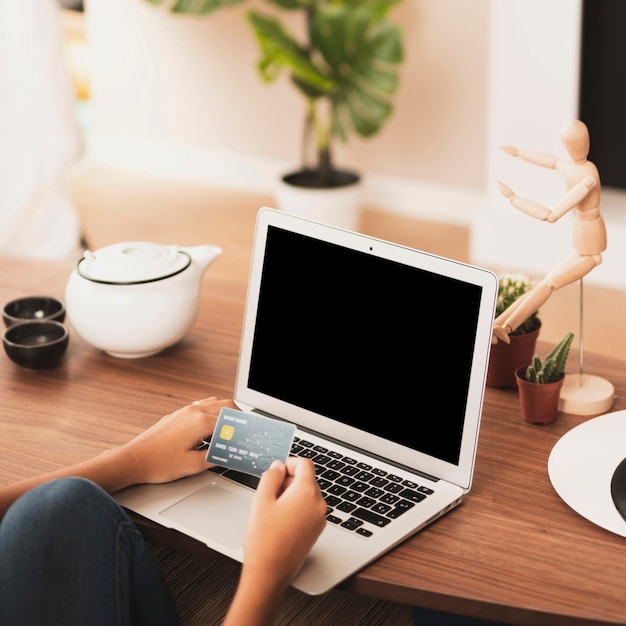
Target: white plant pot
(338,206)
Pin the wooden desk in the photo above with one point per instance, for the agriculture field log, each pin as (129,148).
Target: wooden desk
(514,551)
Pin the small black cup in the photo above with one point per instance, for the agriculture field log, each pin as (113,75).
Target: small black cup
(33,308)
(36,344)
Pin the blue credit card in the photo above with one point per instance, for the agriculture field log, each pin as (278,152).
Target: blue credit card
(249,443)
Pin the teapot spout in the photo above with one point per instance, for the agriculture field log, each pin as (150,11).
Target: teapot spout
(202,256)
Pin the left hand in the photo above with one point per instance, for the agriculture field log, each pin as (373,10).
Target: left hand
(168,450)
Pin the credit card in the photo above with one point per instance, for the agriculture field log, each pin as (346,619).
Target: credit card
(248,442)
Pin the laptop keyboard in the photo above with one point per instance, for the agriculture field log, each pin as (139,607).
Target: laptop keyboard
(360,497)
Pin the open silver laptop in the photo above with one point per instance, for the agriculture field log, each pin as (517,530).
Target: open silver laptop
(378,353)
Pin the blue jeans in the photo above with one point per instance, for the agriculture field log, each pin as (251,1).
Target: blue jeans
(69,555)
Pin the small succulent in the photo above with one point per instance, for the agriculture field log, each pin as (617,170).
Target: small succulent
(554,365)
(510,288)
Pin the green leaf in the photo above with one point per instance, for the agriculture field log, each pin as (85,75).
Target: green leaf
(198,7)
(337,125)
(279,51)
(384,81)
(380,8)
(183,6)
(347,58)
(387,44)
(358,52)
(366,111)
(290,4)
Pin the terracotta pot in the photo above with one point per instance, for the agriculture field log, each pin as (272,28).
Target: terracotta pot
(539,404)
(505,358)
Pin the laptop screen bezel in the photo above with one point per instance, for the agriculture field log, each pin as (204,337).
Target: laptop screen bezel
(460,474)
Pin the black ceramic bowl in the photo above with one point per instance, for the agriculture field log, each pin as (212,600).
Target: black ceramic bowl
(33,308)
(36,344)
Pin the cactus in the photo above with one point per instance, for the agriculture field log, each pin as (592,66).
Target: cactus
(554,365)
(510,288)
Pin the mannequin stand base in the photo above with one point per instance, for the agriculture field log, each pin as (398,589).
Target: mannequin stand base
(586,395)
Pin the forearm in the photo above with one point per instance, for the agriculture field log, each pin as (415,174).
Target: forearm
(112,470)
(164,452)
(256,601)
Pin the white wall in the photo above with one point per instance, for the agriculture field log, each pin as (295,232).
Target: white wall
(533,91)
(39,135)
(181,96)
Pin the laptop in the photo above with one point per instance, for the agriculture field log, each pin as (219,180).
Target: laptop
(378,354)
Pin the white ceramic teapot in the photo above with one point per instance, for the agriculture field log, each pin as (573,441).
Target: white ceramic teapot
(133,299)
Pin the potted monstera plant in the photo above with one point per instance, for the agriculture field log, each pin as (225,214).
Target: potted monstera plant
(505,358)
(345,66)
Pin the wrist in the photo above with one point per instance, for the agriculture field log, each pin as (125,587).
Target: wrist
(258,597)
(121,468)
(268,579)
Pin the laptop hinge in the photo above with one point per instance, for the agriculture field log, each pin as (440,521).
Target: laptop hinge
(406,468)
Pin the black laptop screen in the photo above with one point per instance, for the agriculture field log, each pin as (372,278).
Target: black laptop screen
(370,342)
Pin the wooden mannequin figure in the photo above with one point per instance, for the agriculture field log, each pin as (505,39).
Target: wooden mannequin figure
(583,195)
(591,395)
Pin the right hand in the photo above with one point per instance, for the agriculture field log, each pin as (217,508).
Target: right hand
(288,515)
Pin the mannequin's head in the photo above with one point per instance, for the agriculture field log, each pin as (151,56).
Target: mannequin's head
(575,137)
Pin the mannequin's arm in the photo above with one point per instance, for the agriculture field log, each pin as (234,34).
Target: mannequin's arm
(571,199)
(532,156)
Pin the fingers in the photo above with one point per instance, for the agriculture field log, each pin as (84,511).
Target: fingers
(300,472)
(301,481)
(298,478)
(169,448)
(213,404)
(301,467)
(207,411)
(281,476)
(272,480)
(211,401)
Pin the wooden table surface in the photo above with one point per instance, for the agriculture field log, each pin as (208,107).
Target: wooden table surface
(514,551)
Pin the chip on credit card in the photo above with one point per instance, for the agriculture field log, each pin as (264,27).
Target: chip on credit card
(247,442)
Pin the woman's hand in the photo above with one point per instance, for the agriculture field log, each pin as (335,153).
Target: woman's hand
(166,451)
(169,449)
(288,514)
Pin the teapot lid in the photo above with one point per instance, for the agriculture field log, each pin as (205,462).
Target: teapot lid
(132,262)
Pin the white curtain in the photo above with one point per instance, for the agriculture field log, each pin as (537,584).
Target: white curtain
(39,133)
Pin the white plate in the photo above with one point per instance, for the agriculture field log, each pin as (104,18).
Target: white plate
(581,466)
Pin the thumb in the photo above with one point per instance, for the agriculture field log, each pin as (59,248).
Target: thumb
(272,479)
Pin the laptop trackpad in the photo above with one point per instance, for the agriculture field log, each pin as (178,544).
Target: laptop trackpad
(216,513)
